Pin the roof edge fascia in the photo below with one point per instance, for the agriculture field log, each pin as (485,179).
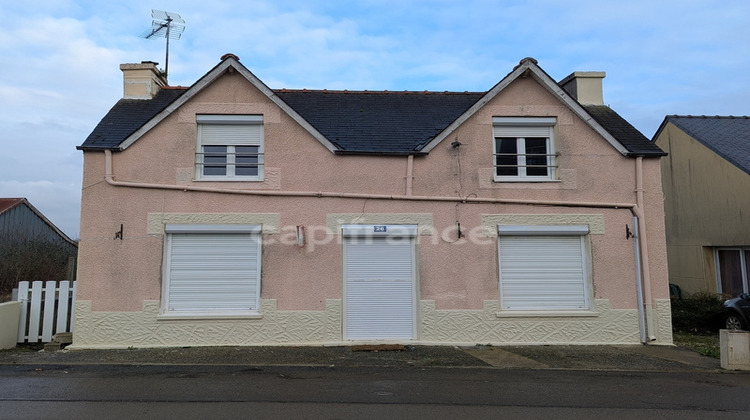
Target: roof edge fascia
(207,79)
(549,84)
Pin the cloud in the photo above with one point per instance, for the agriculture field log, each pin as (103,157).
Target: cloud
(61,60)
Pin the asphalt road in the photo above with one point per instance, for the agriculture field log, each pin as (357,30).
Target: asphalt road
(99,391)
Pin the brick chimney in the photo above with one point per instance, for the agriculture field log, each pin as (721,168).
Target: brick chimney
(141,81)
(585,86)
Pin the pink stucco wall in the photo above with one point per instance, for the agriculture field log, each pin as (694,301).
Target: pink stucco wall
(118,275)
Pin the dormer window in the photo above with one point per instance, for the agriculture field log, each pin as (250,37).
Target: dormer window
(523,149)
(230,148)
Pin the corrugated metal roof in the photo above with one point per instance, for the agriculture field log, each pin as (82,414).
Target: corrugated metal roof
(9,203)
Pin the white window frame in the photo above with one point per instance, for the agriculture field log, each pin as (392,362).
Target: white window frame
(522,128)
(251,232)
(584,296)
(242,130)
(743,267)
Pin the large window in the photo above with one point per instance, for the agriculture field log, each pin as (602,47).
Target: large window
(544,268)
(211,270)
(733,270)
(523,149)
(230,147)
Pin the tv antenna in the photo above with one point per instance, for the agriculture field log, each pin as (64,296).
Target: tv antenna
(167,25)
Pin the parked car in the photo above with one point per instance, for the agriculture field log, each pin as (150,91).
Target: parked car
(737,312)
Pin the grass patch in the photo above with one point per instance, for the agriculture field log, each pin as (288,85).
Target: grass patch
(705,344)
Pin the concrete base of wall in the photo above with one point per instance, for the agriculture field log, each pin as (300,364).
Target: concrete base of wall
(10,313)
(602,325)
(735,349)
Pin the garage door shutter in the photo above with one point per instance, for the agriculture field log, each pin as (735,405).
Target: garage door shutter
(379,287)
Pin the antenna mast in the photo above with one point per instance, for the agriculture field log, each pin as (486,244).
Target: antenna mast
(167,25)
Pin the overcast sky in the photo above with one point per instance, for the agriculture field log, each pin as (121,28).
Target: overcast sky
(59,61)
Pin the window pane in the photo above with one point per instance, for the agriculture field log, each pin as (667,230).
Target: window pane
(536,156)
(246,160)
(507,155)
(215,160)
(730,271)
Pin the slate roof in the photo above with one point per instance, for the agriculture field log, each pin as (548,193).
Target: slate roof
(358,122)
(633,140)
(127,116)
(379,122)
(727,136)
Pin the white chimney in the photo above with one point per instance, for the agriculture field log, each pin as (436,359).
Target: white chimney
(585,86)
(141,81)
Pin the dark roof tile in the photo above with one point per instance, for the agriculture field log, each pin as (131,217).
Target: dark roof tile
(127,116)
(364,122)
(727,136)
(378,122)
(633,140)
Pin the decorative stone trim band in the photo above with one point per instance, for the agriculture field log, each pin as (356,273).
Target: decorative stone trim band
(422,220)
(450,327)
(156,221)
(595,222)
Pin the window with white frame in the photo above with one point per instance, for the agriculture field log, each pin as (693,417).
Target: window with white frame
(211,270)
(230,148)
(544,268)
(523,148)
(733,270)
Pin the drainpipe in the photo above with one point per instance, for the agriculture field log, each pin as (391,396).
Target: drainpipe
(110,179)
(638,280)
(409,174)
(646,281)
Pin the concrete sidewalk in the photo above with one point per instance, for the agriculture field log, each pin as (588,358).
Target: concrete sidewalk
(610,358)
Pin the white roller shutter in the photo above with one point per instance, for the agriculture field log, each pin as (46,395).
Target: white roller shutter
(541,271)
(213,271)
(230,135)
(379,285)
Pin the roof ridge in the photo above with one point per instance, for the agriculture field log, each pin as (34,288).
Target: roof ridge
(738,117)
(390,92)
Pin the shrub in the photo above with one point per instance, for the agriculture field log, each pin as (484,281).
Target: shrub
(33,259)
(698,313)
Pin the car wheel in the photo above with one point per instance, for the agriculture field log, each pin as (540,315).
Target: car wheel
(733,322)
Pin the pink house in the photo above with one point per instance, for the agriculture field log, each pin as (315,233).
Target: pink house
(230,213)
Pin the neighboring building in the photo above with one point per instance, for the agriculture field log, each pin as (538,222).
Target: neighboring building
(32,246)
(706,181)
(228,213)
(19,220)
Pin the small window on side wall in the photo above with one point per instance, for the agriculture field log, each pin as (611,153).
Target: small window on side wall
(523,149)
(230,148)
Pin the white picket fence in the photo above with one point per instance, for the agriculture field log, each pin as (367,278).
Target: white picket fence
(46,309)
